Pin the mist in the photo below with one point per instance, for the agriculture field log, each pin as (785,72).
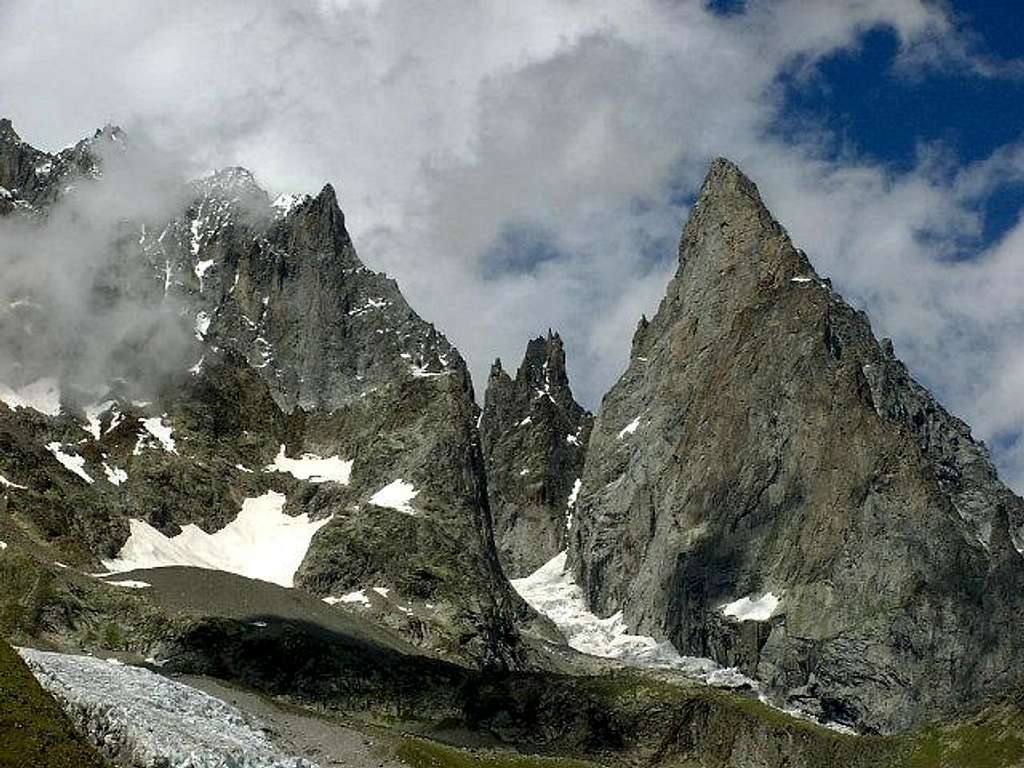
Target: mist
(80,301)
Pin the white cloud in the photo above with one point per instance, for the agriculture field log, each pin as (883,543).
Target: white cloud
(443,124)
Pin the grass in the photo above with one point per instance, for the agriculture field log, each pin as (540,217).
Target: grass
(421,753)
(34,731)
(994,739)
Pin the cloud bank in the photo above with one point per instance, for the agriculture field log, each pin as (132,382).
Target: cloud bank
(77,299)
(524,165)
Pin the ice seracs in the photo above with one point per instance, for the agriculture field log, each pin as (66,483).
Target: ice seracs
(261,543)
(154,719)
(396,495)
(752,608)
(313,468)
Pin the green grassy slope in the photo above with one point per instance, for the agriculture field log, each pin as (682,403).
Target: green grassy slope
(34,731)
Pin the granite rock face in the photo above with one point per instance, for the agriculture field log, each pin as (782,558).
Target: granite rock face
(291,346)
(766,485)
(534,437)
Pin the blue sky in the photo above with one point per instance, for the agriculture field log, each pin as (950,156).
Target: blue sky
(540,176)
(869,110)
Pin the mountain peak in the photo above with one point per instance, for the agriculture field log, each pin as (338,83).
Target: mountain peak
(544,363)
(496,368)
(760,416)
(7,132)
(323,219)
(233,180)
(732,249)
(534,437)
(328,196)
(110,132)
(728,195)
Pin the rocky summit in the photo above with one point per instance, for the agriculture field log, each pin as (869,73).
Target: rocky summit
(766,485)
(534,437)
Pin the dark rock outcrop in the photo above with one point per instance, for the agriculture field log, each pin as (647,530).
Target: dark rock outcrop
(534,437)
(762,446)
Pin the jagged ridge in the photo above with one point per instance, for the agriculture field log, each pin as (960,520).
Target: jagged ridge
(534,441)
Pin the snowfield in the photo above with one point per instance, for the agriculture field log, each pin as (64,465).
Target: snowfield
(143,719)
(550,590)
(261,543)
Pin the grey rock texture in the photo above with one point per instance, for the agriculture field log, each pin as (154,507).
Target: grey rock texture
(31,179)
(534,437)
(762,441)
(292,342)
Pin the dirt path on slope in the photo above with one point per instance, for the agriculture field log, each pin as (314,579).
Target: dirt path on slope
(321,739)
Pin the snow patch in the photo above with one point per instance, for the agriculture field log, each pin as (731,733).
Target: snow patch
(419,372)
(358,597)
(525,422)
(8,484)
(396,495)
(42,395)
(92,417)
(162,432)
(130,584)
(313,468)
(752,608)
(201,268)
(285,203)
(575,493)
(800,279)
(115,475)
(157,720)
(552,591)
(572,440)
(630,428)
(72,462)
(371,304)
(203,321)
(261,543)
(3,546)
